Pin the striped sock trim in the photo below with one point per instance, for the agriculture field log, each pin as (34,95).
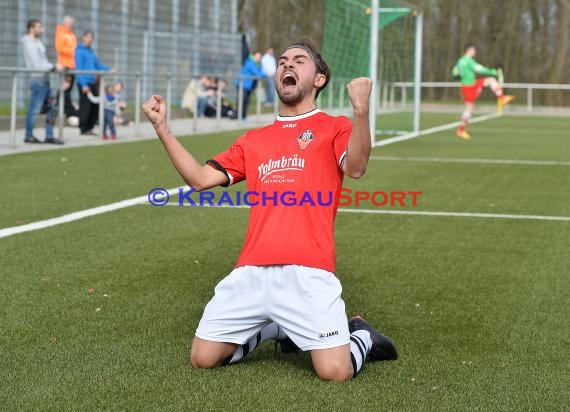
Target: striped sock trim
(244,350)
(355,369)
(360,345)
(357,354)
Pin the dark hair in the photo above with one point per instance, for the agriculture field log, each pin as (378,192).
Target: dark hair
(32,23)
(87,32)
(467,47)
(307,44)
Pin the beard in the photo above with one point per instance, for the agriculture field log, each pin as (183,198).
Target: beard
(292,98)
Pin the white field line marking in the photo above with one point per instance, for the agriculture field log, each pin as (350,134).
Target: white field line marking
(433,130)
(457,214)
(481,161)
(530,131)
(71,217)
(413,213)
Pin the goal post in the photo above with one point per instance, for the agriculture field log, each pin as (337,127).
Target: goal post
(380,39)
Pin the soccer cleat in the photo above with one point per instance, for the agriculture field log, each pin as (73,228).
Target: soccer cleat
(462,133)
(505,99)
(287,345)
(382,347)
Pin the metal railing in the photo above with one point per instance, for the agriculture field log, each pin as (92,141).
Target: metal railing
(18,72)
(389,92)
(332,97)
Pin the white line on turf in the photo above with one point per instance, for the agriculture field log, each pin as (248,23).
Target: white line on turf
(417,213)
(71,217)
(457,214)
(465,160)
(537,133)
(448,126)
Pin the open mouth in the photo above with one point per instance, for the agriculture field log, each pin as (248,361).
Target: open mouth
(289,80)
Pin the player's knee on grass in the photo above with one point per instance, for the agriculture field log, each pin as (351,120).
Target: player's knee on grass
(334,371)
(333,364)
(205,354)
(201,362)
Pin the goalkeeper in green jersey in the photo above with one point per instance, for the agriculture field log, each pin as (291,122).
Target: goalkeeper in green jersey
(474,77)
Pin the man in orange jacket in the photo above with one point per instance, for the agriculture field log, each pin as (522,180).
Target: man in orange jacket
(65,44)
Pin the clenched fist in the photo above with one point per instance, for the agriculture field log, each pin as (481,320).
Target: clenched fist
(359,91)
(155,110)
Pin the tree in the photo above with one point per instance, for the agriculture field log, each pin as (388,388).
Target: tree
(277,23)
(529,38)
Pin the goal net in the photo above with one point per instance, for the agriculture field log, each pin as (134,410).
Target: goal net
(347,46)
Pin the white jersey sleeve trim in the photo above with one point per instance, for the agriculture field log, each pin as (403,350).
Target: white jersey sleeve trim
(342,157)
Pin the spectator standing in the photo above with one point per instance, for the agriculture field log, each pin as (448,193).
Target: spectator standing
(120,115)
(111,106)
(269,66)
(35,58)
(65,45)
(251,68)
(86,59)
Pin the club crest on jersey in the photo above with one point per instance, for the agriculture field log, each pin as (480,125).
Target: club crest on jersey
(305,139)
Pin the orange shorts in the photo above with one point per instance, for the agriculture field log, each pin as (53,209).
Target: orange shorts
(470,93)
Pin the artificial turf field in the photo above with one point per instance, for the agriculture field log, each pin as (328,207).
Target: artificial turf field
(99,313)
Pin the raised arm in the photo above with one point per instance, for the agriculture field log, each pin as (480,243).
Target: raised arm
(359,145)
(484,71)
(194,174)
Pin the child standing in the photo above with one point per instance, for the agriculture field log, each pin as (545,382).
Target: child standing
(111,103)
(121,118)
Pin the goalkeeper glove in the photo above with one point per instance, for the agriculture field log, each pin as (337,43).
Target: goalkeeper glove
(455,73)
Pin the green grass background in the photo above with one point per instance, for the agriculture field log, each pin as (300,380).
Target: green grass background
(479,308)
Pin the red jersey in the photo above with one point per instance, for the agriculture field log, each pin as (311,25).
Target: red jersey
(293,171)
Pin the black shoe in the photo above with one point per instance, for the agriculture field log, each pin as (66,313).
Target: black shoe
(287,345)
(32,140)
(53,140)
(382,347)
(89,133)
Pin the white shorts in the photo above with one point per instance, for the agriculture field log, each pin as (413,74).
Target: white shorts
(304,301)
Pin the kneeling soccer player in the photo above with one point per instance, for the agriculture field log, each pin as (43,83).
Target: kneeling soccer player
(284,287)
